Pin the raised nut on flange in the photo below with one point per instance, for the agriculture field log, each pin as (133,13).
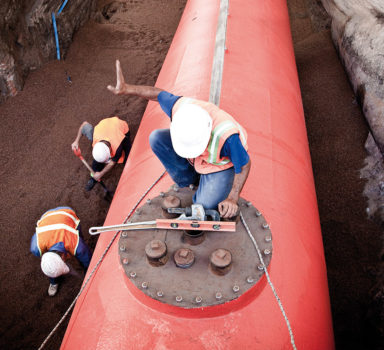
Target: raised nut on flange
(221,258)
(184,257)
(155,249)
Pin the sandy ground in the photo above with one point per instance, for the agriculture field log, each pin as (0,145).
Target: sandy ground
(40,172)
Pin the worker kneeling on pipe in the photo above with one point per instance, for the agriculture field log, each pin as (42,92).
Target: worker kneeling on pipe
(111,144)
(58,235)
(204,145)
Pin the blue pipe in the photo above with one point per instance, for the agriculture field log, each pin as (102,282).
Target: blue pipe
(62,6)
(56,36)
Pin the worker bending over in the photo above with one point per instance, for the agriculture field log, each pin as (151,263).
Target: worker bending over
(57,236)
(204,145)
(111,144)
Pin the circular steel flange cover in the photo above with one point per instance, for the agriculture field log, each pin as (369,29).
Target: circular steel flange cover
(198,285)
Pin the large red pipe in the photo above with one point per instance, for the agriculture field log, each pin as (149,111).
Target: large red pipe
(260,89)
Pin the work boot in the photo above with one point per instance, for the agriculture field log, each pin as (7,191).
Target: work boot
(90,184)
(52,289)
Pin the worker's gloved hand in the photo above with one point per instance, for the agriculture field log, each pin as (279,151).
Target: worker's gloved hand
(75,145)
(228,208)
(119,89)
(97,175)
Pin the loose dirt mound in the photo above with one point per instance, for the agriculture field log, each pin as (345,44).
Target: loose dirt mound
(40,171)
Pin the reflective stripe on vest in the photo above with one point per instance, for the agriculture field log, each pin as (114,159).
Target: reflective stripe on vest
(51,213)
(214,142)
(58,226)
(112,130)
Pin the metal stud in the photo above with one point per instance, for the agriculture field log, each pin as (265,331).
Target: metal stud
(125,261)
(218,295)
(124,234)
(260,267)
(149,201)
(159,293)
(122,248)
(144,285)
(267,251)
(138,212)
(250,280)
(258,213)
(199,300)
(179,298)
(162,194)
(265,226)
(236,288)
(249,204)
(268,238)
(133,274)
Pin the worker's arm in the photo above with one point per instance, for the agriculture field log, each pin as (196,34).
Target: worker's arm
(99,174)
(75,144)
(83,254)
(34,248)
(228,207)
(122,88)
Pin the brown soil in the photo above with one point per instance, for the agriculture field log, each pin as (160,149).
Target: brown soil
(47,174)
(40,171)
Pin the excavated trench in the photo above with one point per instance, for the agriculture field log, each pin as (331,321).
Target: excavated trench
(40,172)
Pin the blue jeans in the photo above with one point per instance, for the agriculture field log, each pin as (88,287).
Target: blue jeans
(213,188)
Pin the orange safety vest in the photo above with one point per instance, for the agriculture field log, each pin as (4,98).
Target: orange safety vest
(223,126)
(58,226)
(112,130)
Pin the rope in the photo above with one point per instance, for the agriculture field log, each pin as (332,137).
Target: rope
(269,281)
(97,264)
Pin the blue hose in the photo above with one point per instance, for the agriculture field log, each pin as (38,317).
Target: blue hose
(56,36)
(62,6)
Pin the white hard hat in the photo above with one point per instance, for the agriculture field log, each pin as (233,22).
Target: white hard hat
(101,152)
(190,130)
(53,266)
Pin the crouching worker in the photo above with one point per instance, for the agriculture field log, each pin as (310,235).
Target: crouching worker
(58,236)
(111,144)
(204,145)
